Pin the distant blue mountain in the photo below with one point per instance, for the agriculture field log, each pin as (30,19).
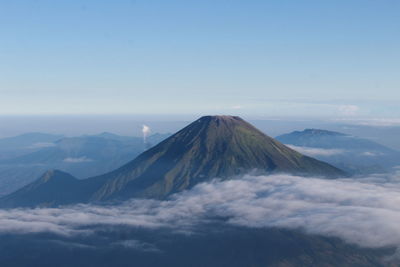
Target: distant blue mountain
(353,154)
(27,139)
(25,143)
(28,156)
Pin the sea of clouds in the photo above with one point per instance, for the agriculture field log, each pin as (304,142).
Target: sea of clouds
(363,211)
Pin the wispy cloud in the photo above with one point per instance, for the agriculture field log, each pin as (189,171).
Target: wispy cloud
(369,154)
(313,151)
(41,145)
(137,245)
(77,160)
(348,110)
(373,122)
(364,212)
(237,107)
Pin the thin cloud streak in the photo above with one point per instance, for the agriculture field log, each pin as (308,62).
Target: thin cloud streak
(313,151)
(41,145)
(78,160)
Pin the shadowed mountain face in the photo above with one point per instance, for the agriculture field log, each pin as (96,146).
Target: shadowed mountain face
(213,146)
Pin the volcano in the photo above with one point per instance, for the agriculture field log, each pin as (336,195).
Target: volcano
(210,147)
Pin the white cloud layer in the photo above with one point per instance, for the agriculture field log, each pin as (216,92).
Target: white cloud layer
(313,151)
(364,212)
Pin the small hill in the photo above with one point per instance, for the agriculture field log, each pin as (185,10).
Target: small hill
(52,188)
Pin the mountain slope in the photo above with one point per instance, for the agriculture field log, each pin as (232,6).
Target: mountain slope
(211,147)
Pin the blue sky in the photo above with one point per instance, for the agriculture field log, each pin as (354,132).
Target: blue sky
(261,58)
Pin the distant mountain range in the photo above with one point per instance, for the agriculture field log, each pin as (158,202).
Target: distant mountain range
(210,147)
(352,154)
(26,143)
(27,156)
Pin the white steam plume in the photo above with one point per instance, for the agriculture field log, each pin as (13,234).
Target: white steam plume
(146,132)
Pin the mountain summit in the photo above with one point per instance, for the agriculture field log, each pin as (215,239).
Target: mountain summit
(210,147)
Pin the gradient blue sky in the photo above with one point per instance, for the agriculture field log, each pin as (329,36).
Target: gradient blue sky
(264,58)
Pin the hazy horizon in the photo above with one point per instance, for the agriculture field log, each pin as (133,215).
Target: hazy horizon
(379,130)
